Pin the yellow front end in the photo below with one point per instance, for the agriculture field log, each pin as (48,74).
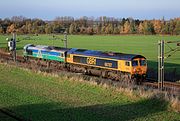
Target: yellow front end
(139,67)
(136,67)
(69,58)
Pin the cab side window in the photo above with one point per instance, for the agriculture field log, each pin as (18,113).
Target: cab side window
(29,52)
(62,55)
(127,63)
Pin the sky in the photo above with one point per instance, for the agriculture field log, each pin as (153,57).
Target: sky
(50,9)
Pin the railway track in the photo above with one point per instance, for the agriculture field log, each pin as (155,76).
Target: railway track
(8,56)
(172,84)
(167,84)
(173,87)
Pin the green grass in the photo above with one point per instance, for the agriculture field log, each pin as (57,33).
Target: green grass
(42,97)
(137,44)
(140,44)
(4,117)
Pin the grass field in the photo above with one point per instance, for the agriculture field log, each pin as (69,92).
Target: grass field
(45,98)
(4,117)
(138,44)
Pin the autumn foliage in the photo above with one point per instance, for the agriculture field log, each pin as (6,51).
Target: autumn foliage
(85,25)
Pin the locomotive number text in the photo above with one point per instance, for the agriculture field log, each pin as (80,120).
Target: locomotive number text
(108,64)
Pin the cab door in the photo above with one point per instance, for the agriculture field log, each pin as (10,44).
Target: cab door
(124,66)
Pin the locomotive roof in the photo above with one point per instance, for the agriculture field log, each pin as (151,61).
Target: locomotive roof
(112,55)
(48,47)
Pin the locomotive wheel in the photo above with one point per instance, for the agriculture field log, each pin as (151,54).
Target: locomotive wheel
(104,74)
(85,72)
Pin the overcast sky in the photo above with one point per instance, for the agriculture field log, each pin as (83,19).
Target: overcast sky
(49,9)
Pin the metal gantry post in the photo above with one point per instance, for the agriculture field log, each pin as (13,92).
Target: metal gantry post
(65,39)
(161,64)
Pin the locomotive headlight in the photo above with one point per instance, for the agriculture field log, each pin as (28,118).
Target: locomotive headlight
(134,70)
(137,70)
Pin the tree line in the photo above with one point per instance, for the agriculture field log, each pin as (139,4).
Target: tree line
(89,25)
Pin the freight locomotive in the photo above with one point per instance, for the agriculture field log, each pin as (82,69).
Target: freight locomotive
(117,66)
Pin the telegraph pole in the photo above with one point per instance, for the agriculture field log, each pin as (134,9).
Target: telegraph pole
(161,64)
(14,47)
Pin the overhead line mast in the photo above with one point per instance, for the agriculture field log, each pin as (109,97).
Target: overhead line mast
(161,57)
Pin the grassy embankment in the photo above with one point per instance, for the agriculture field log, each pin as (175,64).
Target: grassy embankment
(39,96)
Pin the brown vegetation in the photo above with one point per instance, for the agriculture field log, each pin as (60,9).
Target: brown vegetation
(85,25)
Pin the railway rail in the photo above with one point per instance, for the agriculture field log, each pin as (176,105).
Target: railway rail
(172,87)
(167,84)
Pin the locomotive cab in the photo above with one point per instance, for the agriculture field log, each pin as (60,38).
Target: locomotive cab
(139,67)
(26,51)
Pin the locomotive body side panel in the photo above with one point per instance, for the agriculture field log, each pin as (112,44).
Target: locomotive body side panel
(48,54)
(124,66)
(93,61)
